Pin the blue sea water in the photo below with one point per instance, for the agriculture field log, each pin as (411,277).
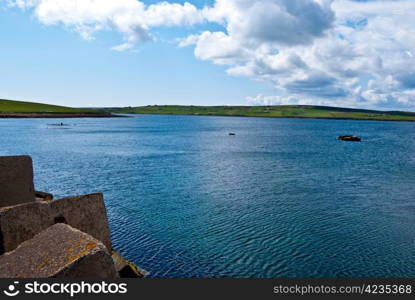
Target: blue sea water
(282,198)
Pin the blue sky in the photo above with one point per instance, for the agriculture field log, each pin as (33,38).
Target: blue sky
(53,65)
(233,52)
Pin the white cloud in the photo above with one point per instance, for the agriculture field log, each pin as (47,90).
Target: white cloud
(360,57)
(123,47)
(131,18)
(338,52)
(282,22)
(217,47)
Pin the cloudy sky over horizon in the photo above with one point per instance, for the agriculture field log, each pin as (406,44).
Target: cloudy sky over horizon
(352,53)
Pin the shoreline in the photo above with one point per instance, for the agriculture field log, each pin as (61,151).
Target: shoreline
(56,115)
(274,117)
(132,115)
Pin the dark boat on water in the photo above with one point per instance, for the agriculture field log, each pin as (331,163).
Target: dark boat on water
(350,138)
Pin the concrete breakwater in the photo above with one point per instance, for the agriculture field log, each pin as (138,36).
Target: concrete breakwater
(43,237)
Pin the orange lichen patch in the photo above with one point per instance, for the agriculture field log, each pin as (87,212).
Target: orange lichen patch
(90,245)
(76,246)
(58,251)
(43,263)
(78,251)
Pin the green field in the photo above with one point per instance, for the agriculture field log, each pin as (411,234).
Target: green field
(10,107)
(287,111)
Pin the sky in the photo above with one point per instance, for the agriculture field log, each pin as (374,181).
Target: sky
(95,53)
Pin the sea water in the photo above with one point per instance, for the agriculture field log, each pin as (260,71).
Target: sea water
(281,198)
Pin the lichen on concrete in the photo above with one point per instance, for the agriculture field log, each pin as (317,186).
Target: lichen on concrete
(59,251)
(86,213)
(45,237)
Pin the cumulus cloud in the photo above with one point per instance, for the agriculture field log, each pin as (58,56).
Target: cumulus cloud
(217,47)
(331,52)
(281,22)
(132,18)
(339,52)
(263,100)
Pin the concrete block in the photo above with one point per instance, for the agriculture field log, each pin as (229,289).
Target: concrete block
(16,180)
(22,222)
(126,268)
(86,213)
(60,251)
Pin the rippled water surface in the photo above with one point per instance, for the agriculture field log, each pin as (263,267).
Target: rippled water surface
(282,198)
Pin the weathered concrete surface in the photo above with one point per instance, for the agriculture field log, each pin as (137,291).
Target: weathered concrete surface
(16,180)
(22,222)
(59,251)
(86,213)
(126,268)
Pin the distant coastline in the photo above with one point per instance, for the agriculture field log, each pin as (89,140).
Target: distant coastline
(269,117)
(279,111)
(21,109)
(57,115)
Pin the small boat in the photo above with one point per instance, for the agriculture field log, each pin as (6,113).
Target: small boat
(58,124)
(350,138)
(232,133)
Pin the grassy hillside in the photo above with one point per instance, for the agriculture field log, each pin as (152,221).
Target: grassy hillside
(288,111)
(9,106)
